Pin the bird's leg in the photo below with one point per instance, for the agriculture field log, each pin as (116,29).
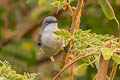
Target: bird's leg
(65,48)
(53,61)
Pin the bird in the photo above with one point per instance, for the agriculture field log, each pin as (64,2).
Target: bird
(46,38)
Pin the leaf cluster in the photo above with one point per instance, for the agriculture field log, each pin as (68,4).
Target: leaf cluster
(6,73)
(84,40)
(20,54)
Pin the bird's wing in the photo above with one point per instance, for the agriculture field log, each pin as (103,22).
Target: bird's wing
(39,39)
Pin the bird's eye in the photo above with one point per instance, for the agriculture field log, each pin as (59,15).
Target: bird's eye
(49,22)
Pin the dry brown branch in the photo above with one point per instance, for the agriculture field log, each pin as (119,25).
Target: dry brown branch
(76,17)
(47,59)
(66,54)
(103,64)
(72,72)
(75,24)
(70,8)
(112,74)
(76,14)
(73,66)
(74,61)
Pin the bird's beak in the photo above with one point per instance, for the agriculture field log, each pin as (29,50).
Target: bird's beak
(54,21)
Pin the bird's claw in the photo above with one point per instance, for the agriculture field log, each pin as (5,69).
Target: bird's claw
(56,71)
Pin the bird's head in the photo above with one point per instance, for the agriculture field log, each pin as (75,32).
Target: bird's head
(48,20)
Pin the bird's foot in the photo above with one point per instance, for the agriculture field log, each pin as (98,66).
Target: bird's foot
(65,48)
(56,71)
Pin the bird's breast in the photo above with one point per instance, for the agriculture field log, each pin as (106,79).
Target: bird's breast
(48,37)
(49,44)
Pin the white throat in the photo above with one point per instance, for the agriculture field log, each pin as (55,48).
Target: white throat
(50,28)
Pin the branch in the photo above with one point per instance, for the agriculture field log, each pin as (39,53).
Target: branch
(74,61)
(103,64)
(76,14)
(75,24)
(73,66)
(76,17)
(66,54)
(72,72)
(112,74)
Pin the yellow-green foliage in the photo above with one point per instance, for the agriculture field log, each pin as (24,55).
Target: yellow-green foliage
(85,40)
(6,73)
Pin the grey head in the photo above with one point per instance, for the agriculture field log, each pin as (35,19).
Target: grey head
(48,20)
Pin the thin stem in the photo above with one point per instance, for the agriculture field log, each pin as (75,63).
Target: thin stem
(74,61)
(112,74)
(75,25)
(66,54)
(70,8)
(75,19)
(103,64)
(72,72)
(92,62)
(73,66)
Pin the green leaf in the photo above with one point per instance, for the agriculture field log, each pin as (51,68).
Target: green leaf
(106,52)
(62,32)
(97,63)
(65,32)
(108,10)
(9,74)
(81,68)
(77,32)
(61,0)
(82,47)
(85,60)
(55,4)
(116,58)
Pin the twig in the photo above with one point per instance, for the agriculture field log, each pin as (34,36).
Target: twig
(73,66)
(75,25)
(112,74)
(72,72)
(103,64)
(74,61)
(70,8)
(92,62)
(75,17)
(66,54)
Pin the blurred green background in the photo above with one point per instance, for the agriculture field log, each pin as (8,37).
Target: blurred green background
(20,22)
